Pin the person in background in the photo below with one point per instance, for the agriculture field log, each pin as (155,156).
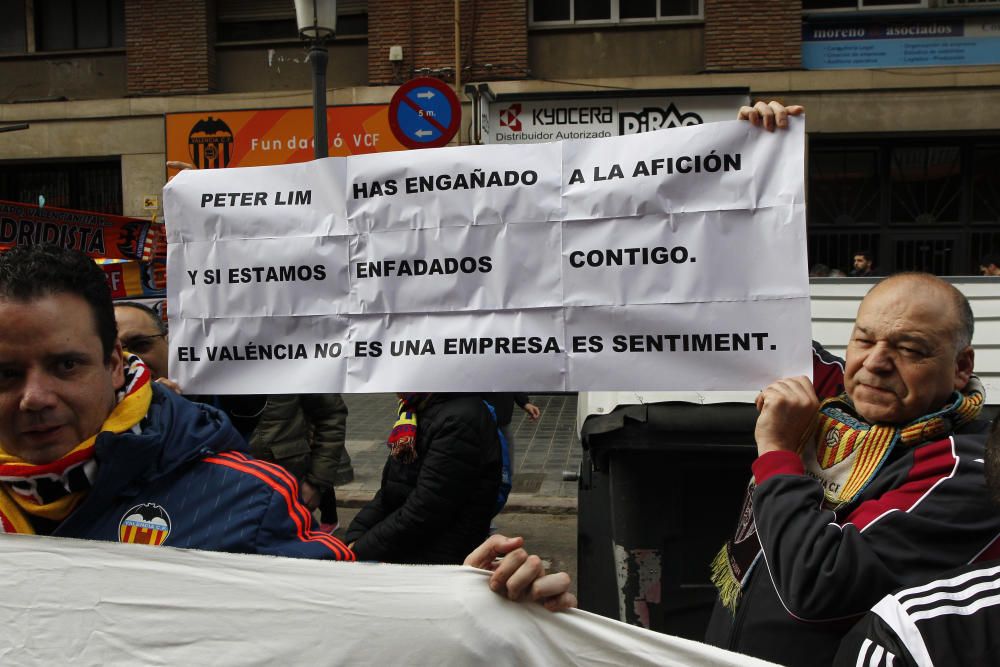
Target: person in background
(305,435)
(819,271)
(503,404)
(864,264)
(990,265)
(439,484)
(143,332)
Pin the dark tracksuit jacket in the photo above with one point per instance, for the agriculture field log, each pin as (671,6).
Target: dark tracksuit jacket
(951,620)
(186,481)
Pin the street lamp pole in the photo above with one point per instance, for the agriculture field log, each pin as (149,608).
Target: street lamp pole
(317,21)
(318,57)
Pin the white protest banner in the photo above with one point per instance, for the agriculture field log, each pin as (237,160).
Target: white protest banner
(78,602)
(671,260)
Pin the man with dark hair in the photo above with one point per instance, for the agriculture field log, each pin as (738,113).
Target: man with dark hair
(989,265)
(870,490)
(951,619)
(91,448)
(864,264)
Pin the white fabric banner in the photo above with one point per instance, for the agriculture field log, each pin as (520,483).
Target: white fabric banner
(671,260)
(76,602)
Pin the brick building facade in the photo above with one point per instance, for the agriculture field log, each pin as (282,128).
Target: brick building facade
(903,137)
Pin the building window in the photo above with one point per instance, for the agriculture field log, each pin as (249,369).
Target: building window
(66,25)
(925,184)
(267,21)
(13,36)
(84,186)
(917,204)
(855,5)
(844,187)
(572,12)
(986,185)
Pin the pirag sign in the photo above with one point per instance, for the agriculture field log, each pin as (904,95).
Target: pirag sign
(672,260)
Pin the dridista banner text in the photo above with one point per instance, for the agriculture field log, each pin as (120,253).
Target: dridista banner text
(671,260)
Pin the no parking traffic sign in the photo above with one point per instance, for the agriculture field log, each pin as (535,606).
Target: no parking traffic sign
(424,113)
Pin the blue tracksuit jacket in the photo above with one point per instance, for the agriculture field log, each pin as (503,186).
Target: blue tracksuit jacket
(186,481)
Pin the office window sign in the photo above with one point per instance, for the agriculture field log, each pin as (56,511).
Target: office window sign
(908,43)
(536,121)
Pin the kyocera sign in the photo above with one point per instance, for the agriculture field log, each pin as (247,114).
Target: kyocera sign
(534,121)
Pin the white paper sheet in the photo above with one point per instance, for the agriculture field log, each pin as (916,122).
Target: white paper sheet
(483,267)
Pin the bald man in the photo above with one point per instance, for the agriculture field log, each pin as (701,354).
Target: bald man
(866,491)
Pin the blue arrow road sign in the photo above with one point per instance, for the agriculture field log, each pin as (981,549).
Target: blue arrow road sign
(424,113)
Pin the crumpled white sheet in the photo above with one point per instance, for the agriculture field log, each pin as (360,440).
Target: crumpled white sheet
(95,603)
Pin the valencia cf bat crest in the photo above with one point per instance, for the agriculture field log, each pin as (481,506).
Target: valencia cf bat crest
(144,524)
(210,143)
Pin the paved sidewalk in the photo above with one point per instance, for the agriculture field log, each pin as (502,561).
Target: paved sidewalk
(542,452)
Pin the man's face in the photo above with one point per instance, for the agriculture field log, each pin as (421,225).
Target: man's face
(901,360)
(990,270)
(56,388)
(861,264)
(141,336)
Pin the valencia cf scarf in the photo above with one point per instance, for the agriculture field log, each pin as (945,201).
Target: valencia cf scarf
(844,454)
(52,490)
(402,440)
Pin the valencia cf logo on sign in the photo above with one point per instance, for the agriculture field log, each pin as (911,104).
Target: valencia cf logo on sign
(509,117)
(144,524)
(210,143)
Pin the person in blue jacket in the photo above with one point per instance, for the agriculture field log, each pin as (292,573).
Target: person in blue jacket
(91,448)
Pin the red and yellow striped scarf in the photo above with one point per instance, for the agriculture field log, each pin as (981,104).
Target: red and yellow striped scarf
(846,453)
(53,490)
(402,440)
